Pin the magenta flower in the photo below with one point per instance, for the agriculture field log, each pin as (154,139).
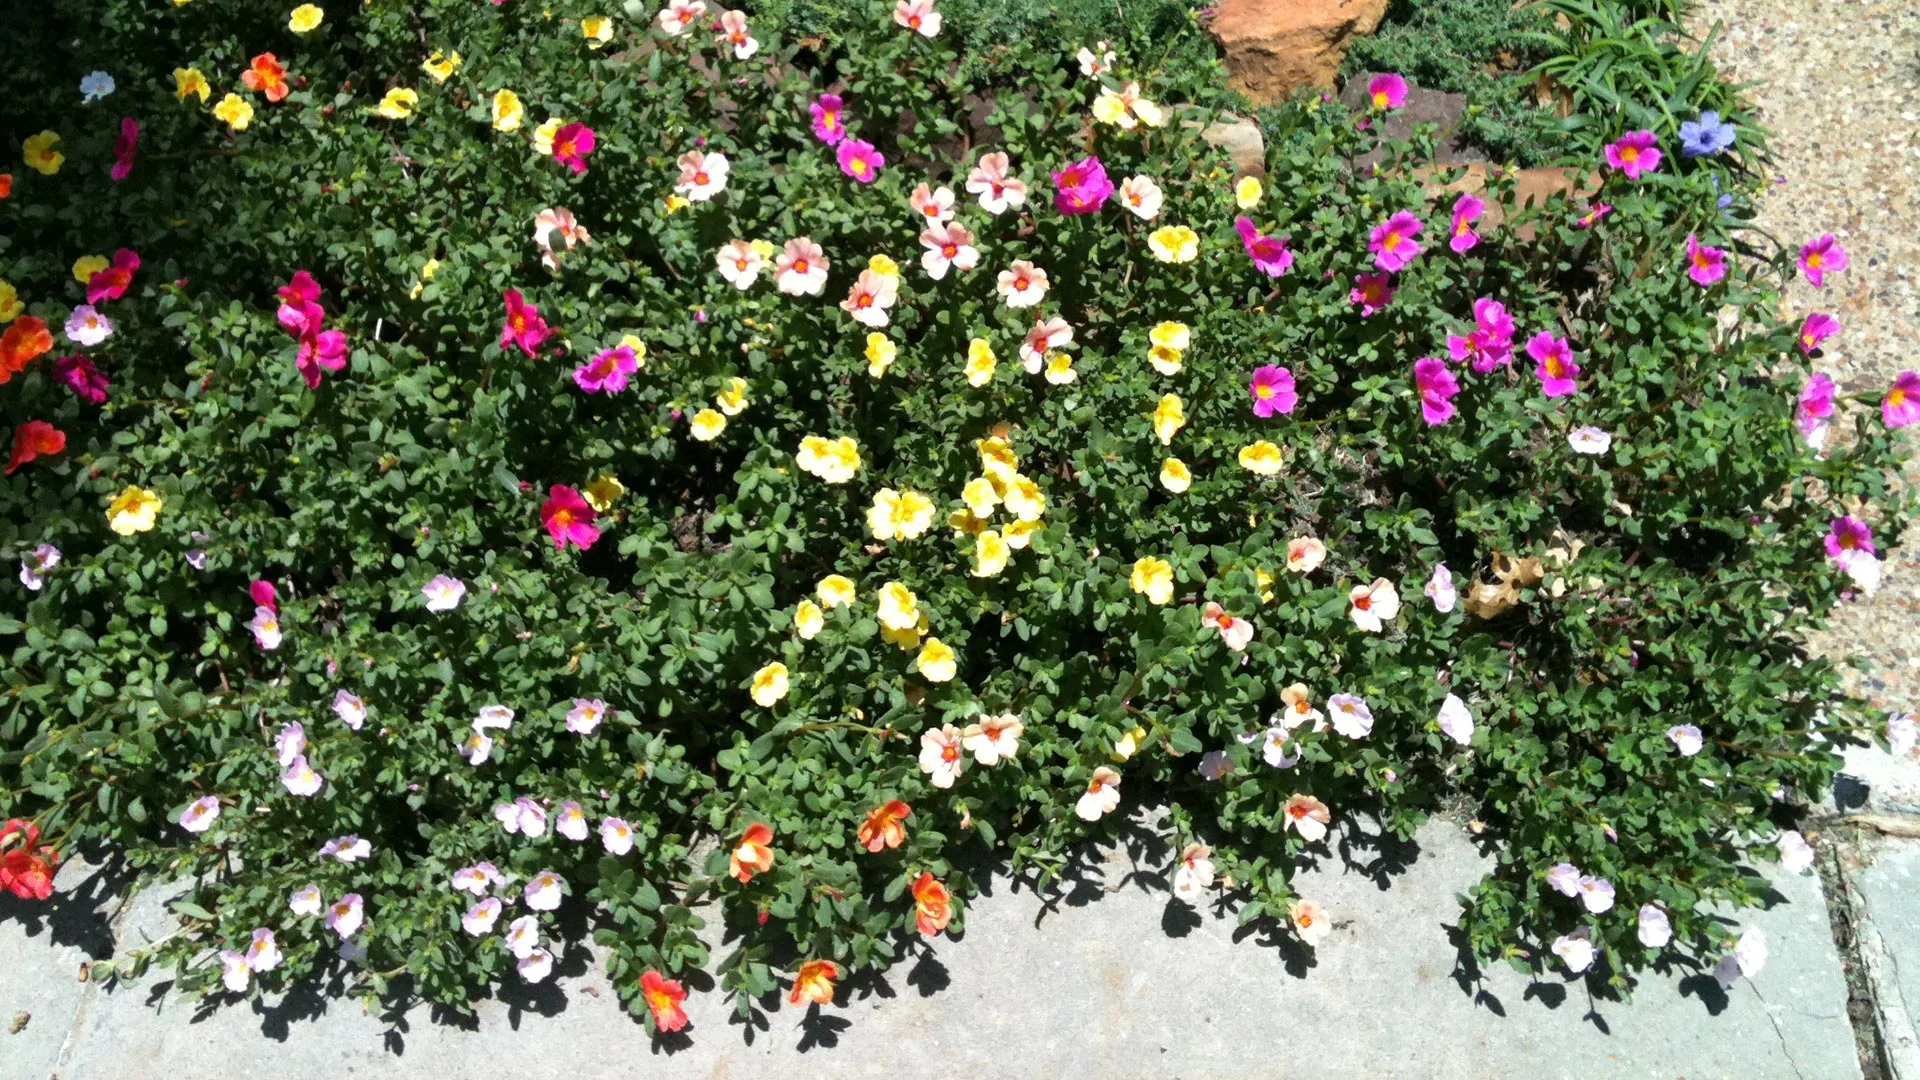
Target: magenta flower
(1636,153)
(1901,406)
(571,145)
(1821,256)
(300,312)
(1810,413)
(1387,91)
(860,160)
(1082,187)
(568,518)
(112,283)
(1466,210)
(827,125)
(1272,391)
(1705,265)
(1393,241)
(1553,360)
(1437,388)
(1817,328)
(524,326)
(124,146)
(1270,254)
(326,349)
(263,594)
(607,372)
(1491,342)
(84,379)
(1372,292)
(1594,213)
(1846,537)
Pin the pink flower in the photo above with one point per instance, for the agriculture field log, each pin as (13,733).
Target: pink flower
(801,268)
(1817,328)
(1636,153)
(568,518)
(262,593)
(917,16)
(327,349)
(1437,388)
(1594,213)
(124,146)
(860,160)
(1491,342)
(997,188)
(111,283)
(948,245)
(1901,406)
(1848,537)
(733,31)
(1821,256)
(1705,265)
(1236,633)
(1466,210)
(1393,241)
(571,145)
(1553,359)
(607,372)
(933,204)
(345,915)
(1272,391)
(557,220)
(702,176)
(827,125)
(1387,91)
(300,310)
(1047,336)
(1082,187)
(1270,254)
(1810,413)
(870,297)
(524,326)
(1372,292)
(84,379)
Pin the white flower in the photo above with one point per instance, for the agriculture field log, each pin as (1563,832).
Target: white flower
(1141,196)
(702,176)
(350,709)
(523,935)
(291,743)
(493,716)
(994,739)
(586,715)
(1564,879)
(1101,797)
(481,917)
(1655,928)
(265,627)
(1589,440)
(616,836)
(443,593)
(941,757)
(1596,893)
(86,326)
(1687,738)
(264,953)
(1215,764)
(199,815)
(234,972)
(1903,735)
(95,85)
(1351,717)
(571,821)
(948,244)
(1455,721)
(523,816)
(536,965)
(475,879)
(801,268)
(36,563)
(739,263)
(306,901)
(1864,569)
(345,916)
(477,748)
(1274,749)
(300,779)
(543,891)
(1094,63)
(1748,957)
(1310,921)
(997,188)
(1022,284)
(1306,815)
(1796,855)
(346,849)
(1374,605)
(1440,589)
(1194,873)
(1575,951)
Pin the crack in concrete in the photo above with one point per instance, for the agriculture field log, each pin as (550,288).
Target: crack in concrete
(1785,1048)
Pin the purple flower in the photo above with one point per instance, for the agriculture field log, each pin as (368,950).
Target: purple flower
(1594,213)
(1270,254)
(607,372)
(1466,210)
(1705,265)
(1372,292)
(1393,241)
(1082,187)
(1636,153)
(124,147)
(1821,256)
(1272,391)
(827,125)
(1705,137)
(860,160)
(84,379)
(1553,360)
(1437,388)
(1817,328)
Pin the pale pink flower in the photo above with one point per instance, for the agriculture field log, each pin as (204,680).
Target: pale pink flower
(616,836)
(350,709)
(678,15)
(299,778)
(1101,797)
(1796,855)
(586,715)
(536,965)
(1047,335)
(290,743)
(477,748)
(933,204)
(557,220)
(1686,738)
(265,627)
(1440,589)
(801,268)
(1596,893)
(941,756)
(1374,605)
(235,975)
(543,891)
(993,738)
(918,16)
(1022,284)
(1194,873)
(1654,928)
(1350,715)
(1564,878)
(345,916)
(870,297)
(523,816)
(481,917)
(1574,950)
(998,189)
(346,849)
(702,176)
(306,901)
(1748,957)
(1307,816)
(1456,722)
(477,878)
(523,936)
(1141,196)
(1236,633)
(570,821)
(263,953)
(948,245)
(733,31)
(200,814)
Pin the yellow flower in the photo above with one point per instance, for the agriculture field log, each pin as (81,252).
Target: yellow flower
(543,136)
(1261,457)
(133,511)
(997,459)
(886,268)
(707,425)
(86,266)
(732,399)
(10,305)
(980,497)
(899,608)
(1111,108)
(1060,369)
(980,362)
(1023,498)
(990,554)
(598,29)
(235,110)
(441,66)
(676,203)
(1174,244)
(880,353)
(1153,578)
(764,249)
(1246,193)
(604,492)
(808,619)
(639,348)
(41,155)
(1168,418)
(1171,335)
(1129,744)
(1265,581)
(427,271)
(936,662)
(900,515)
(305,18)
(1175,476)
(833,460)
(1164,360)
(1020,533)
(770,684)
(507,111)
(190,81)
(835,591)
(967,521)
(398,104)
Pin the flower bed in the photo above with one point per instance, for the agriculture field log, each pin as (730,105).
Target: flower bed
(497,455)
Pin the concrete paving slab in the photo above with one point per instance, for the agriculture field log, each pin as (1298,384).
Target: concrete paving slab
(1109,979)
(1886,895)
(44,948)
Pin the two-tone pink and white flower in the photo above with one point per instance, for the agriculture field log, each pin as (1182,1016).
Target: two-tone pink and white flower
(702,175)
(949,245)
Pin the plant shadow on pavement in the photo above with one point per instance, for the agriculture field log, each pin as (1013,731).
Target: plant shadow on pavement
(80,913)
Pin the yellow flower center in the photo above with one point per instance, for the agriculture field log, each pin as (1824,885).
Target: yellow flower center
(1816,260)
(859,166)
(1629,154)
(563,518)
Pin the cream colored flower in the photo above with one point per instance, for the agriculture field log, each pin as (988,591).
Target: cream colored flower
(1260,457)
(1153,578)
(1168,418)
(808,619)
(1174,475)
(936,661)
(707,425)
(770,684)
(835,591)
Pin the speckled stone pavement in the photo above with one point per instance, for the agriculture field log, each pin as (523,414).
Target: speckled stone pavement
(1838,82)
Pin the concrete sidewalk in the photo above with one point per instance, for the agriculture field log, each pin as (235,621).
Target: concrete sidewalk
(1111,979)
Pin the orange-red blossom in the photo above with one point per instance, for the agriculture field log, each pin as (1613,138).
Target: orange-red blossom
(883,828)
(814,983)
(753,855)
(933,905)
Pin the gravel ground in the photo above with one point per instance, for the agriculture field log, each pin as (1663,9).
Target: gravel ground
(1839,85)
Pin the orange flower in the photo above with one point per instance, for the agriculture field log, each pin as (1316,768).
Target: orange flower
(6,184)
(882,829)
(664,996)
(753,856)
(814,983)
(267,75)
(32,439)
(24,340)
(932,904)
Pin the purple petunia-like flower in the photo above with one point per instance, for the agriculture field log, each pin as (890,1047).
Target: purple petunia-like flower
(1437,387)
(1817,328)
(1082,187)
(1270,254)
(1272,391)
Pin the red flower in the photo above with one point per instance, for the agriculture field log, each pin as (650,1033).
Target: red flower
(266,74)
(571,145)
(6,185)
(25,870)
(32,439)
(933,905)
(111,283)
(524,326)
(24,340)
(753,856)
(569,518)
(664,996)
(123,147)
